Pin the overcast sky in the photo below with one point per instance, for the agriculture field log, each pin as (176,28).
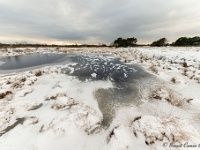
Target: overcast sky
(97,21)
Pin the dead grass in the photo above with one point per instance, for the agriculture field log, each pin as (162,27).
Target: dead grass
(174,130)
(5,94)
(54,97)
(111,134)
(58,106)
(17,85)
(173,80)
(185,64)
(38,73)
(154,69)
(169,96)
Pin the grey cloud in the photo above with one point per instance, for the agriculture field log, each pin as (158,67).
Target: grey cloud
(105,20)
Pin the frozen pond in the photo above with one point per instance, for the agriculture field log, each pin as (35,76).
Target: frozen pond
(26,61)
(127,79)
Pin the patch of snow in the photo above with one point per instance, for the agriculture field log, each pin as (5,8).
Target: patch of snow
(23,93)
(93,75)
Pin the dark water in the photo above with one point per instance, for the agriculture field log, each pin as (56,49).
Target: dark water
(124,77)
(26,61)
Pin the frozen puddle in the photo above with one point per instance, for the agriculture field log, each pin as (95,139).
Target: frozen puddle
(10,63)
(127,80)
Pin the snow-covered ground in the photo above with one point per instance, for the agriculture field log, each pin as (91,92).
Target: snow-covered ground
(44,109)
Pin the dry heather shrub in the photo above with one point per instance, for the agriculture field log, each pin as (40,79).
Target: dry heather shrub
(197,78)
(68,103)
(185,64)
(167,95)
(185,71)
(111,134)
(166,122)
(19,50)
(8,82)
(38,73)
(172,129)
(192,76)
(154,69)
(141,59)
(17,85)
(58,106)
(22,79)
(18,82)
(174,80)
(28,50)
(4,94)
(54,97)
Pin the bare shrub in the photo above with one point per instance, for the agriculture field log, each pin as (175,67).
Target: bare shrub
(17,85)
(171,128)
(111,134)
(173,80)
(154,69)
(38,73)
(185,71)
(167,95)
(192,76)
(4,94)
(185,64)
(23,79)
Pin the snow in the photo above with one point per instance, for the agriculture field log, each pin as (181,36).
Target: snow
(94,75)
(23,93)
(43,109)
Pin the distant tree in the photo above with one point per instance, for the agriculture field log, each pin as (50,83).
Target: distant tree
(131,41)
(195,41)
(185,41)
(160,42)
(182,41)
(120,42)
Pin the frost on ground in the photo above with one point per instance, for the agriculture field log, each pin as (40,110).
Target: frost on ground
(44,109)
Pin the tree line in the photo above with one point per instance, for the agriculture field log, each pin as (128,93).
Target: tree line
(182,41)
(119,42)
(24,45)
